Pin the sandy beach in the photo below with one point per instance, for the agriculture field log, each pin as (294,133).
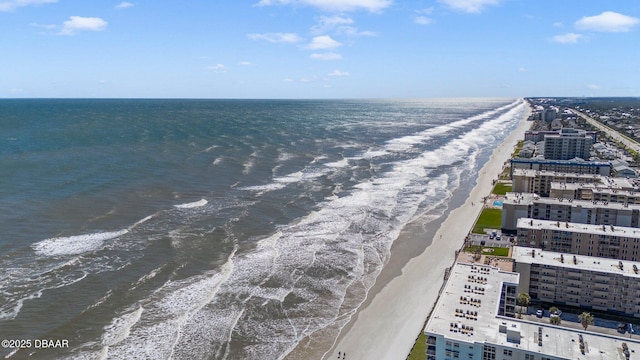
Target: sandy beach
(388,323)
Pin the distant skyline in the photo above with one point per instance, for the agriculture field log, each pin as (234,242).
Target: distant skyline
(318,48)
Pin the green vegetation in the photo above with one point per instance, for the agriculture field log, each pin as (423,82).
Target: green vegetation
(489,219)
(586,319)
(555,320)
(519,145)
(419,350)
(501,189)
(524,299)
(488,250)
(506,173)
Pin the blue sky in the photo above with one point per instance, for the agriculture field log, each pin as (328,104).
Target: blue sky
(319,48)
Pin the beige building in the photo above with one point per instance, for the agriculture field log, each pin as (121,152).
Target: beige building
(577,166)
(539,181)
(612,193)
(567,144)
(613,242)
(527,205)
(577,280)
(473,319)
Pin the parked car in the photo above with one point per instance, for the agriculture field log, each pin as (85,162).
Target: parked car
(622,327)
(539,313)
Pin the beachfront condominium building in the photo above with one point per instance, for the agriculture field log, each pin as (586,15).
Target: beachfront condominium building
(473,319)
(613,242)
(577,166)
(538,135)
(539,182)
(581,281)
(568,144)
(527,205)
(611,193)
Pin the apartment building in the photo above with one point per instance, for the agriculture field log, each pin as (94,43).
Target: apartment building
(577,166)
(607,241)
(568,144)
(539,181)
(538,135)
(528,205)
(612,193)
(583,281)
(473,319)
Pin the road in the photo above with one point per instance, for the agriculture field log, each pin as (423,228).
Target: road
(631,144)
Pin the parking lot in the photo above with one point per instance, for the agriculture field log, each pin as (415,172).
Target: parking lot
(486,240)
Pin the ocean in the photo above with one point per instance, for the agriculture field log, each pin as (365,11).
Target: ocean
(217,229)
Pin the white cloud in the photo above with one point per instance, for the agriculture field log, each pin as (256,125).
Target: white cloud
(80,23)
(44,26)
(326,56)
(219,68)
(568,38)
(558,24)
(246,63)
(334,5)
(14,4)
(422,20)
(339,25)
(522,69)
(124,5)
(338,73)
(608,21)
(323,42)
(470,6)
(593,87)
(276,37)
(329,23)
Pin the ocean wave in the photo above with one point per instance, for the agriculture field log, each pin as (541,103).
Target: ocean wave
(191,205)
(73,245)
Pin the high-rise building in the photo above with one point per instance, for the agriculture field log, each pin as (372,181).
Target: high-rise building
(568,144)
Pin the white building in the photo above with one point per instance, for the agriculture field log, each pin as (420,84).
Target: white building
(471,321)
(528,205)
(568,144)
(583,281)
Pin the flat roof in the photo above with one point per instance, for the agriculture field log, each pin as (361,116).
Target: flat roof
(534,173)
(523,255)
(572,162)
(614,188)
(529,198)
(608,230)
(490,328)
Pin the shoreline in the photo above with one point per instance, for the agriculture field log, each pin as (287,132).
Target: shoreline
(397,306)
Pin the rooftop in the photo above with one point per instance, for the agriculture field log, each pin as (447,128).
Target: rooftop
(596,264)
(467,315)
(607,230)
(530,198)
(534,173)
(597,188)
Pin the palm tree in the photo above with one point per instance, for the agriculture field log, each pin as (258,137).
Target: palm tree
(586,319)
(523,299)
(555,320)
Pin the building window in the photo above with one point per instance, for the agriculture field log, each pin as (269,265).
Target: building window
(507,352)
